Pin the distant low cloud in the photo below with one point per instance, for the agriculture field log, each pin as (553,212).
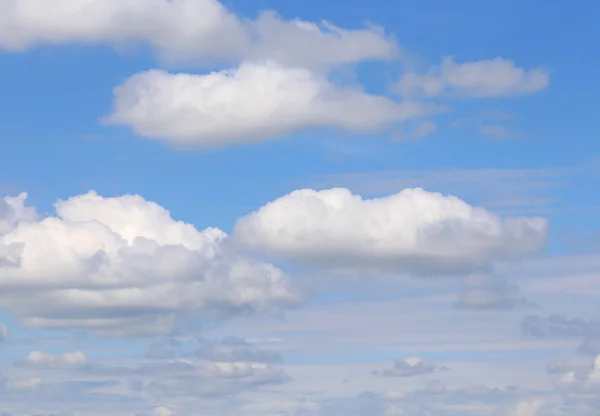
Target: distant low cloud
(497,131)
(413,366)
(486,78)
(235,349)
(421,130)
(560,326)
(481,291)
(65,361)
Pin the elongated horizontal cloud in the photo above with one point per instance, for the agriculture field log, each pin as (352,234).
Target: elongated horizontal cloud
(122,266)
(197,377)
(233,349)
(487,78)
(42,360)
(413,366)
(413,231)
(186,30)
(481,291)
(254,102)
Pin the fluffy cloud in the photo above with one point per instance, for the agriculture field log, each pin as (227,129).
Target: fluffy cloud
(413,366)
(487,78)
(414,231)
(198,30)
(254,102)
(122,266)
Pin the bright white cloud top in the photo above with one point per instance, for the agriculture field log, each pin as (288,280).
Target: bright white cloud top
(486,78)
(252,103)
(413,231)
(122,266)
(188,30)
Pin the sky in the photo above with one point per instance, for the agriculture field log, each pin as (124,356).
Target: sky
(287,208)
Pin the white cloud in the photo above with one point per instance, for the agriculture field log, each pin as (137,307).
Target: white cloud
(122,266)
(190,30)
(162,411)
(527,408)
(67,360)
(254,102)
(13,211)
(413,231)
(3,333)
(486,78)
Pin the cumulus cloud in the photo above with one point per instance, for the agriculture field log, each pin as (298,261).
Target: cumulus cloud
(255,102)
(122,266)
(413,231)
(482,291)
(486,78)
(189,30)
(413,366)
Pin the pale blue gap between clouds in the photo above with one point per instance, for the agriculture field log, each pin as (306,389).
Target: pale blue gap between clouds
(52,98)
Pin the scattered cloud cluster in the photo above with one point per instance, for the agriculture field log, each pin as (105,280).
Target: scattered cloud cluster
(284,62)
(122,266)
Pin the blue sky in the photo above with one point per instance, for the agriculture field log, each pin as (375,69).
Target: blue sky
(127,98)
